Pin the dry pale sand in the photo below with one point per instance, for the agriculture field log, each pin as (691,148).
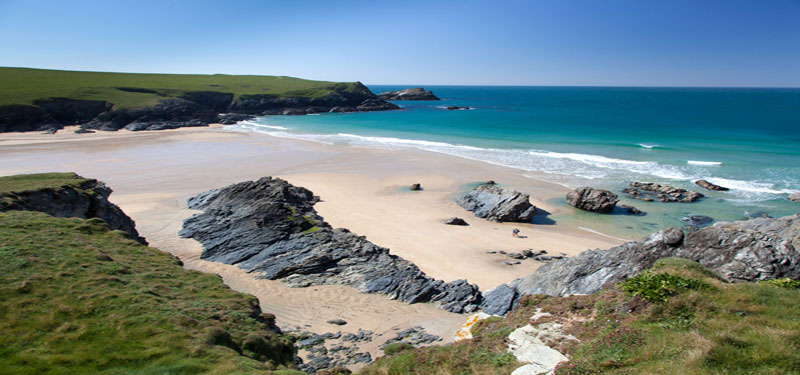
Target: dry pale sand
(365,190)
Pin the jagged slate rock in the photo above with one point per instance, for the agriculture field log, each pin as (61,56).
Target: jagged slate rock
(757,249)
(331,335)
(456,221)
(493,203)
(515,256)
(309,342)
(270,227)
(697,221)
(710,186)
(83,131)
(361,358)
(593,200)
(794,197)
(417,93)
(87,200)
(528,253)
(233,118)
(499,300)
(649,191)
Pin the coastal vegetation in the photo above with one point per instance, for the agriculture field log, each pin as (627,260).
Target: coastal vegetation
(24,86)
(79,297)
(676,318)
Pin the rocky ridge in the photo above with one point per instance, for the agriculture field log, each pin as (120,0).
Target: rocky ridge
(491,202)
(751,250)
(417,93)
(198,108)
(269,227)
(85,199)
(649,191)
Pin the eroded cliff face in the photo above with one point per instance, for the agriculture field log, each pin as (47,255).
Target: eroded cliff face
(198,108)
(86,200)
(270,227)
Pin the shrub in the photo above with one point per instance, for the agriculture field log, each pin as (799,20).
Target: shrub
(396,347)
(658,287)
(575,367)
(784,283)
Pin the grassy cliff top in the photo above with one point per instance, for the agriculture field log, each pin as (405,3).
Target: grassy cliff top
(77,298)
(29,182)
(22,86)
(677,318)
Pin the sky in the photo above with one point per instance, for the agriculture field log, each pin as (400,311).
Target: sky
(561,42)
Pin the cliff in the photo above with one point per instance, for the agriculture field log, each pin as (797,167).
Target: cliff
(65,195)
(270,228)
(47,100)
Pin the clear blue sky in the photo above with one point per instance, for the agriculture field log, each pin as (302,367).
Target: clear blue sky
(559,42)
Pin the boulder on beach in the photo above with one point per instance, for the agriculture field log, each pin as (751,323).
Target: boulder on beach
(493,203)
(456,221)
(417,93)
(710,186)
(593,200)
(416,187)
(649,191)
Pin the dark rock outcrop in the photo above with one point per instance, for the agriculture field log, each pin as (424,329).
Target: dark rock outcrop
(457,108)
(499,300)
(709,186)
(649,191)
(270,227)
(593,200)
(456,221)
(86,200)
(198,108)
(417,93)
(757,249)
(415,187)
(493,203)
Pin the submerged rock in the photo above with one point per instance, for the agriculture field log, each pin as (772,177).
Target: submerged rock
(649,191)
(417,93)
(709,186)
(270,227)
(493,203)
(415,187)
(593,200)
(697,221)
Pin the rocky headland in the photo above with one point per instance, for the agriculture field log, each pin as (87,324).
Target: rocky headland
(751,250)
(65,195)
(417,93)
(269,227)
(491,202)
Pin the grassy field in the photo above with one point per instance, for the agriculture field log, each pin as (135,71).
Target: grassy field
(133,90)
(77,298)
(678,318)
(23,182)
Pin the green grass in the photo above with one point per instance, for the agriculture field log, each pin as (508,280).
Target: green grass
(701,326)
(22,86)
(29,182)
(76,298)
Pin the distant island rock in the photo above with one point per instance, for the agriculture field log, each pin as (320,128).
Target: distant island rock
(492,202)
(271,228)
(417,93)
(457,108)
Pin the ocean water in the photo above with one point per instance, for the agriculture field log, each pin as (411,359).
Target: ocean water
(745,139)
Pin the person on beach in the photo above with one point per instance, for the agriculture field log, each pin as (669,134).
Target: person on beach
(515,232)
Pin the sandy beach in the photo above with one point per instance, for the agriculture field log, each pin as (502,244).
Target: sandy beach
(363,189)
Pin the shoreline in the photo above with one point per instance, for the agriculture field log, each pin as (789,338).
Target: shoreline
(154,172)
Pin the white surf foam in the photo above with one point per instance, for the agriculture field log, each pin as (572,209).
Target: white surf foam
(749,186)
(699,162)
(250,123)
(648,146)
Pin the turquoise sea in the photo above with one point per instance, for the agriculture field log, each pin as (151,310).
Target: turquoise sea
(746,139)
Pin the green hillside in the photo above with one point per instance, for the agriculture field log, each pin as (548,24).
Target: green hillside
(134,90)
(77,298)
(678,318)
